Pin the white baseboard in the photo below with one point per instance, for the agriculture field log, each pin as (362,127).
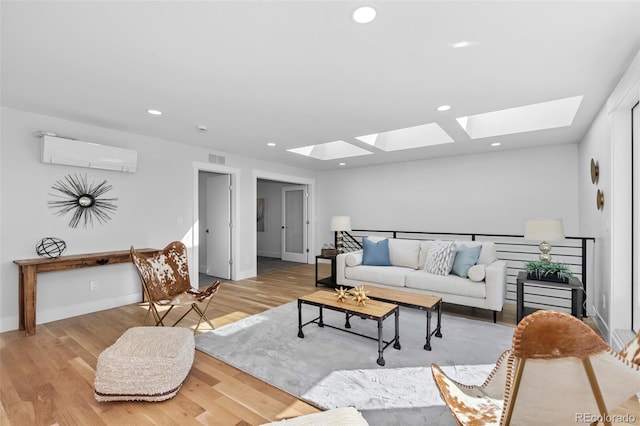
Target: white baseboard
(8,324)
(45,316)
(620,338)
(602,326)
(246,274)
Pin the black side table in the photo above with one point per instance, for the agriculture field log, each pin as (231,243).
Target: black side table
(331,280)
(574,285)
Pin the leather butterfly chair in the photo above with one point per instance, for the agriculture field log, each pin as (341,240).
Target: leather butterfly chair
(631,352)
(558,372)
(165,281)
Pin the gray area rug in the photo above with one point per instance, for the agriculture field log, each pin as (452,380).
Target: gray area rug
(332,368)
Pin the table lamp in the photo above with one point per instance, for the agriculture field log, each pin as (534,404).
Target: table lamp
(339,224)
(544,230)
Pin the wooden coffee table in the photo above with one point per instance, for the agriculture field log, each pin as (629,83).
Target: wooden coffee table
(373,310)
(411,300)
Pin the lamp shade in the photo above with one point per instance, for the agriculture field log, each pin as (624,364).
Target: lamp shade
(341,223)
(544,230)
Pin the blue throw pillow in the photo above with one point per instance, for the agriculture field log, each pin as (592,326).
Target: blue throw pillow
(376,254)
(466,257)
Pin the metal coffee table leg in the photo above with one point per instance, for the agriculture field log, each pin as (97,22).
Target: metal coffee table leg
(380,360)
(439,330)
(396,345)
(300,333)
(427,346)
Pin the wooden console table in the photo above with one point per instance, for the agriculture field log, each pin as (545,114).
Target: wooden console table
(29,268)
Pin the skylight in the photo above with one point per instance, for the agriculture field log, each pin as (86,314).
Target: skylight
(330,150)
(411,137)
(528,118)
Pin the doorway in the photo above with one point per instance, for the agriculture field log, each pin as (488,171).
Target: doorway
(282,230)
(215,225)
(213,234)
(294,224)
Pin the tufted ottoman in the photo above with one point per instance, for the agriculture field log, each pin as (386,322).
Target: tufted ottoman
(145,364)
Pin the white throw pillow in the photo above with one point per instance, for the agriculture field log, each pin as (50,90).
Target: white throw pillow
(488,253)
(440,257)
(404,252)
(353,259)
(477,273)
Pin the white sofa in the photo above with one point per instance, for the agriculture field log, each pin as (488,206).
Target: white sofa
(407,273)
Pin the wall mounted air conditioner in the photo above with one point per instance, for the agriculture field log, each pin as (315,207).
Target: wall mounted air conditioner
(72,152)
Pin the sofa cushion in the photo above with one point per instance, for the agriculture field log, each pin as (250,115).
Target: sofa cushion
(465,258)
(440,257)
(376,253)
(451,284)
(424,250)
(477,272)
(404,252)
(390,275)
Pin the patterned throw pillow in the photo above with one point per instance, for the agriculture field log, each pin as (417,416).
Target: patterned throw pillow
(440,257)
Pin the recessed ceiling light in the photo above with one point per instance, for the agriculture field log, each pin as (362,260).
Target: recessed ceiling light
(154,112)
(496,144)
(271,144)
(364,14)
(342,164)
(461,44)
(444,108)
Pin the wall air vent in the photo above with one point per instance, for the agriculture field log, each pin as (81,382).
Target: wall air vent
(72,152)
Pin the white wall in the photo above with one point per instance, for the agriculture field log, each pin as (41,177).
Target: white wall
(155,206)
(484,193)
(609,142)
(593,222)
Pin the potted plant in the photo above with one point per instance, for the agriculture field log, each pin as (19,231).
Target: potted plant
(548,271)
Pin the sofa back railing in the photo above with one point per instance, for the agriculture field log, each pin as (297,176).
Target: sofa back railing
(575,252)
(349,242)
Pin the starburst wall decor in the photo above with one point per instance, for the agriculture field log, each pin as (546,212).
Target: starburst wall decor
(84,200)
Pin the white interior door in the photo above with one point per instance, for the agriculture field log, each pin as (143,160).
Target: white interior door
(294,223)
(218,226)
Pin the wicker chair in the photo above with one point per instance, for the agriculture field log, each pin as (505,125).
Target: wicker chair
(558,372)
(165,281)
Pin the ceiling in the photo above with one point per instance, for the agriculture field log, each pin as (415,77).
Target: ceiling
(298,73)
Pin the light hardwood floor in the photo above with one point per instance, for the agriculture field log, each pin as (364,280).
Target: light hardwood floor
(47,379)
